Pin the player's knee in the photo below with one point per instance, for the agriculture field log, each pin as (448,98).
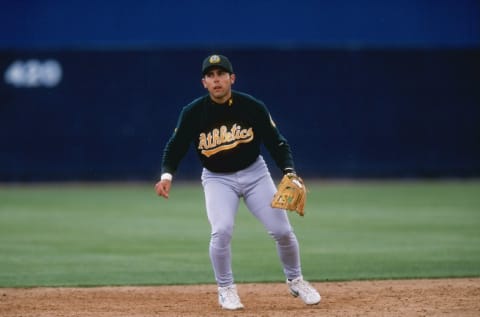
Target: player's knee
(283,236)
(221,237)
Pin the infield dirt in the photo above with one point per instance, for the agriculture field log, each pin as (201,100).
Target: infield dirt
(442,297)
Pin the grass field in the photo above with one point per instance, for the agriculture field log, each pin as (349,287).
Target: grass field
(123,234)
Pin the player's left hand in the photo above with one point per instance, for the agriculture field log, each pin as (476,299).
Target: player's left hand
(291,194)
(163,188)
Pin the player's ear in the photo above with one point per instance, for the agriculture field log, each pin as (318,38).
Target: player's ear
(203,82)
(232,78)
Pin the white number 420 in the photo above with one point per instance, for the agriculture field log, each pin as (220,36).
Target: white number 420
(33,73)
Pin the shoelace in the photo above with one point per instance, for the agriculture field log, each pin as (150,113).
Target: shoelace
(305,288)
(231,295)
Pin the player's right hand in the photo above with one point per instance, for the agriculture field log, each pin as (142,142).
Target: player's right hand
(163,188)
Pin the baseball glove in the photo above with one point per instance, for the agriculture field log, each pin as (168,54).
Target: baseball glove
(291,194)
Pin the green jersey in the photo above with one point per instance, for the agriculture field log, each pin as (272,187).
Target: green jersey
(227,137)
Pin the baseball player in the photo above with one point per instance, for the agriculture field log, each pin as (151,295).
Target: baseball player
(227,128)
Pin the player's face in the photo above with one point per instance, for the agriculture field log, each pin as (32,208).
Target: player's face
(219,84)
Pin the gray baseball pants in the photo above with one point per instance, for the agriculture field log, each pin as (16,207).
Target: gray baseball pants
(223,192)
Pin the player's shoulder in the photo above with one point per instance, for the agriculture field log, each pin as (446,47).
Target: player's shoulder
(197,102)
(247,99)
(195,105)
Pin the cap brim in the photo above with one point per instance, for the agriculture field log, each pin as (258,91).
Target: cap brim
(209,68)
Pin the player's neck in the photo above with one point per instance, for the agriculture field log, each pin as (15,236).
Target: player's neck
(223,99)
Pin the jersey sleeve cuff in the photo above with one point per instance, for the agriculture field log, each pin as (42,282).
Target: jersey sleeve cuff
(166,176)
(288,170)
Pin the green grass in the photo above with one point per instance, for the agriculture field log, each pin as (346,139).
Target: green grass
(97,234)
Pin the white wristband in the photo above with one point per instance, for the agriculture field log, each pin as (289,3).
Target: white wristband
(166,176)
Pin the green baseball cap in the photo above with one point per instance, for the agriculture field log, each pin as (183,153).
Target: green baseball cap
(216,60)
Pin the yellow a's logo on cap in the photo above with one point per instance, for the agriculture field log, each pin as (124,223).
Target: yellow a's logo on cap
(214,59)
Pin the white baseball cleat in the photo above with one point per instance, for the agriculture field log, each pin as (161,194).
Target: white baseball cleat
(301,288)
(228,298)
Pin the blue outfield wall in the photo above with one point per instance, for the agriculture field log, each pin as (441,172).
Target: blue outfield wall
(247,23)
(106,114)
